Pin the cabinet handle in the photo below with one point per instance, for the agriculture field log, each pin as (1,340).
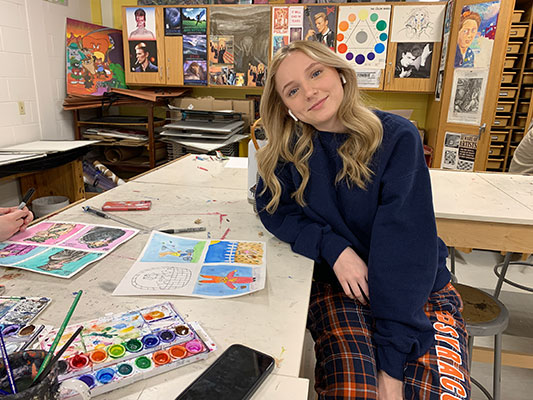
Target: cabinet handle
(513,33)
(499,108)
(482,129)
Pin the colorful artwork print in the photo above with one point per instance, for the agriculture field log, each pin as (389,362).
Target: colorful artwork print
(224,268)
(11,253)
(143,56)
(280,20)
(195,46)
(195,72)
(420,23)
(101,238)
(363,35)
(168,248)
(278,42)
(94,58)
(221,50)
(413,60)
(59,262)
(475,40)
(319,24)
(48,233)
(194,20)
(140,23)
(250,29)
(235,252)
(61,249)
(223,280)
(172,21)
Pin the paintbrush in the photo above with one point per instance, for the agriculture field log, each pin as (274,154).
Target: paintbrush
(50,353)
(9,371)
(33,337)
(54,360)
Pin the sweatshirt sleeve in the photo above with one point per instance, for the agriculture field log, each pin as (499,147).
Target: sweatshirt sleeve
(310,237)
(403,258)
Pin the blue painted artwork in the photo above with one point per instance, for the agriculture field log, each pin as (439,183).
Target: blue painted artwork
(59,262)
(11,253)
(221,251)
(223,280)
(168,248)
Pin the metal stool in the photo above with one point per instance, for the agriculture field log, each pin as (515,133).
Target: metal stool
(503,266)
(484,315)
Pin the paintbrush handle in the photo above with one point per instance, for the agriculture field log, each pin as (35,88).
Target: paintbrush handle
(32,339)
(50,353)
(9,372)
(54,360)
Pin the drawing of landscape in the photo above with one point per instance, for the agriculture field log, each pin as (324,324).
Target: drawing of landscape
(168,248)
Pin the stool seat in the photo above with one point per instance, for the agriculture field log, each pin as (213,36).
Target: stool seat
(484,314)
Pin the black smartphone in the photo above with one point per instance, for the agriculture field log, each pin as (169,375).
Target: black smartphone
(235,375)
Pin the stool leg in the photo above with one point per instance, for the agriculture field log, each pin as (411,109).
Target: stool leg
(452,259)
(470,351)
(505,266)
(497,374)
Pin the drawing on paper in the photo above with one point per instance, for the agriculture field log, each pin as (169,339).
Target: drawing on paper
(420,23)
(167,277)
(163,248)
(235,252)
(11,253)
(98,238)
(413,60)
(48,233)
(468,96)
(220,280)
(363,35)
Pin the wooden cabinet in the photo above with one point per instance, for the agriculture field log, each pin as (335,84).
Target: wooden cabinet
(475,116)
(149,151)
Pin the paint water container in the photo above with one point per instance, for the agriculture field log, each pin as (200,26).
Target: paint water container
(22,364)
(252,166)
(43,206)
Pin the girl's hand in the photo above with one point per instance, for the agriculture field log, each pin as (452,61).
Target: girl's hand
(352,273)
(389,388)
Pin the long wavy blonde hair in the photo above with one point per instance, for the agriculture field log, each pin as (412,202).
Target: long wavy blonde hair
(291,141)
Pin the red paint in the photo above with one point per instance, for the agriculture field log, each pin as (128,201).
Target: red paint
(225,234)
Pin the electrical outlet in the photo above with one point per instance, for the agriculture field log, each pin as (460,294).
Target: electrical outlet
(22,108)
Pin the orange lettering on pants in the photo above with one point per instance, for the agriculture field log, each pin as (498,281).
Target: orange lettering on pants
(450,384)
(445,317)
(439,326)
(451,341)
(448,353)
(446,396)
(450,370)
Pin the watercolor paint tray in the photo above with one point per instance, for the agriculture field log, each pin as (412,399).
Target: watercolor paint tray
(15,315)
(119,349)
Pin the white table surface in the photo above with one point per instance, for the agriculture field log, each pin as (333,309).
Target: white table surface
(271,320)
(483,197)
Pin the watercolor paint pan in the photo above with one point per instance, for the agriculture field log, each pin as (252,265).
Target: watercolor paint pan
(16,336)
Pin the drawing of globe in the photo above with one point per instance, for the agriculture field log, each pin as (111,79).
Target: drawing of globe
(162,278)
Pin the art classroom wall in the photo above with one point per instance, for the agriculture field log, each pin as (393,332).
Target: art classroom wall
(32,55)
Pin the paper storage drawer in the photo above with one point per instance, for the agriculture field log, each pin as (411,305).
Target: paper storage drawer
(501,120)
(517,32)
(498,136)
(526,93)
(517,16)
(507,93)
(508,76)
(495,150)
(510,61)
(511,150)
(517,136)
(529,63)
(527,78)
(521,121)
(514,47)
(523,107)
(504,106)
(494,163)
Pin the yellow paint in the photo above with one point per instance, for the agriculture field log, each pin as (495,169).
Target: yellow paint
(117,11)
(96,12)
(128,329)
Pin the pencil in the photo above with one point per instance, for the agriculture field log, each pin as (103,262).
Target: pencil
(9,371)
(50,353)
(184,230)
(54,360)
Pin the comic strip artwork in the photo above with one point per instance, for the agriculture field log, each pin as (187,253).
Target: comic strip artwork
(249,28)
(363,33)
(173,265)
(475,40)
(94,58)
(61,249)
(142,43)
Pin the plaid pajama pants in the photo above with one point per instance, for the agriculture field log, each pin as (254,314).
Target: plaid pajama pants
(346,366)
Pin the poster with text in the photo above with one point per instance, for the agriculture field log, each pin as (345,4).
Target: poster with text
(459,151)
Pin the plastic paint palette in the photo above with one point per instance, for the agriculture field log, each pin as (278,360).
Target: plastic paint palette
(15,336)
(159,341)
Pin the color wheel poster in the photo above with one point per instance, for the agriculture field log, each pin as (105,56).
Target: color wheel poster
(180,266)
(363,32)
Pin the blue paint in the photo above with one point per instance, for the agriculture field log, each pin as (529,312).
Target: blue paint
(150,341)
(105,375)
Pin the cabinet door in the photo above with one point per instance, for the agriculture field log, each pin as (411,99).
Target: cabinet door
(471,85)
(414,47)
(144,45)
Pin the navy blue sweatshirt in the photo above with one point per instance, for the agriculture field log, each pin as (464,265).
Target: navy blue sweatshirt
(390,225)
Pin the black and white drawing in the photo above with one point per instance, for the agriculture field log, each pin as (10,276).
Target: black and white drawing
(468,95)
(413,60)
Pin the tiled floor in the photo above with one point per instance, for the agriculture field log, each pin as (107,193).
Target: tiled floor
(476,269)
